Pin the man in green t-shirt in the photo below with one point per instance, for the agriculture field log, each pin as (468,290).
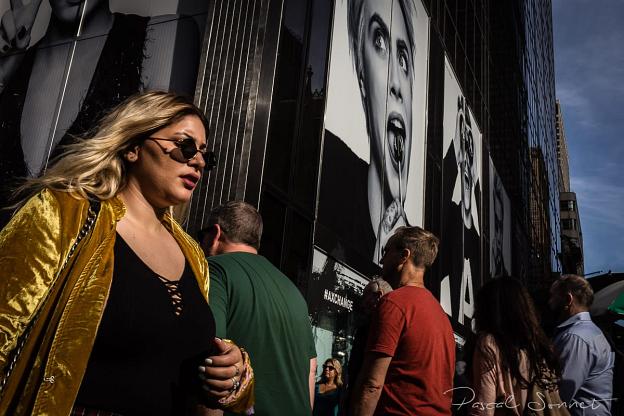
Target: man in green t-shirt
(259,307)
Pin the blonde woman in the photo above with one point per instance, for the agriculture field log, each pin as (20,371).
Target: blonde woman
(103,297)
(328,389)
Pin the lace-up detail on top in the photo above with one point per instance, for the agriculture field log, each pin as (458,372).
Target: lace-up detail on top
(173,287)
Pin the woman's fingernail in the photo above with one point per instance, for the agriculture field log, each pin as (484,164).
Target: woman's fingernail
(218,339)
(202,369)
(208,361)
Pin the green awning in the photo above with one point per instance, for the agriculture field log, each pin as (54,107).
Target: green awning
(617,306)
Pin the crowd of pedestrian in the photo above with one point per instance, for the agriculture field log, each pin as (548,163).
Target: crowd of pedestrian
(108,307)
(403,360)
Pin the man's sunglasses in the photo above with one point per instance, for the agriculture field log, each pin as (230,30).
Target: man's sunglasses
(185,150)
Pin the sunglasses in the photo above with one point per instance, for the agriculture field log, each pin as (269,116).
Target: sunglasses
(329,367)
(185,150)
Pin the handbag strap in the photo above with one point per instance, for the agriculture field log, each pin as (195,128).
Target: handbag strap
(92,214)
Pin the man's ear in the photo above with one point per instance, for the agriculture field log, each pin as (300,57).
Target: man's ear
(569,300)
(212,240)
(406,253)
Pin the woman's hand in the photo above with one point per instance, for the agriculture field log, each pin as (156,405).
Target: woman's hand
(16,24)
(221,373)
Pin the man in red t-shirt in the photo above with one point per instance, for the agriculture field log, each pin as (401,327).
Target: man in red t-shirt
(410,358)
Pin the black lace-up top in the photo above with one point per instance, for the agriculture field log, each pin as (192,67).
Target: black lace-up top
(153,335)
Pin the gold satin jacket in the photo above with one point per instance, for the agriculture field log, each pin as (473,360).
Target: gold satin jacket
(33,247)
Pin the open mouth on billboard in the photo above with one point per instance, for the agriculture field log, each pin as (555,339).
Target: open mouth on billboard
(396,139)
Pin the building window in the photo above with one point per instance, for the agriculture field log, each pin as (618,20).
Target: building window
(571,205)
(567,205)
(568,224)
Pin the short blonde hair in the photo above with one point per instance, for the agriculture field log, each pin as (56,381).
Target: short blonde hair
(93,166)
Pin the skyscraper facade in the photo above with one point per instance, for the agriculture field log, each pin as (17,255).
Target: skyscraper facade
(539,75)
(562,151)
(571,233)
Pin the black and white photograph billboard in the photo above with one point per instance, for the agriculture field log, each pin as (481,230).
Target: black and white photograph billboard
(64,63)
(500,226)
(459,258)
(374,143)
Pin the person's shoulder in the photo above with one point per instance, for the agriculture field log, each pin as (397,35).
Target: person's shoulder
(395,300)
(486,344)
(51,215)
(572,340)
(62,197)
(222,261)
(41,204)
(581,331)
(411,293)
(267,267)
(67,204)
(486,339)
(233,257)
(234,260)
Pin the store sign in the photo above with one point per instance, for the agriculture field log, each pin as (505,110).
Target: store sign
(336,299)
(333,292)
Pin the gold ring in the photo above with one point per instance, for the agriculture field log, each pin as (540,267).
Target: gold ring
(235,384)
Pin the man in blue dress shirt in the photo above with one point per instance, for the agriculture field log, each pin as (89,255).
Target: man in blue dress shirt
(586,356)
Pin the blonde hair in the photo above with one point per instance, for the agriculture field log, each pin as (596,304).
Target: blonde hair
(93,166)
(338,367)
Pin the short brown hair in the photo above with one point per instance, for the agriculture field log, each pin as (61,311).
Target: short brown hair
(239,222)
(422,244)
(578,287)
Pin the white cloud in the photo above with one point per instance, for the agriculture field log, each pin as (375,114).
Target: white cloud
(600,207)
(599,201)
(575,104)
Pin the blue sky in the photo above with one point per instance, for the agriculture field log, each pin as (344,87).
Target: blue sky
(589,65)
